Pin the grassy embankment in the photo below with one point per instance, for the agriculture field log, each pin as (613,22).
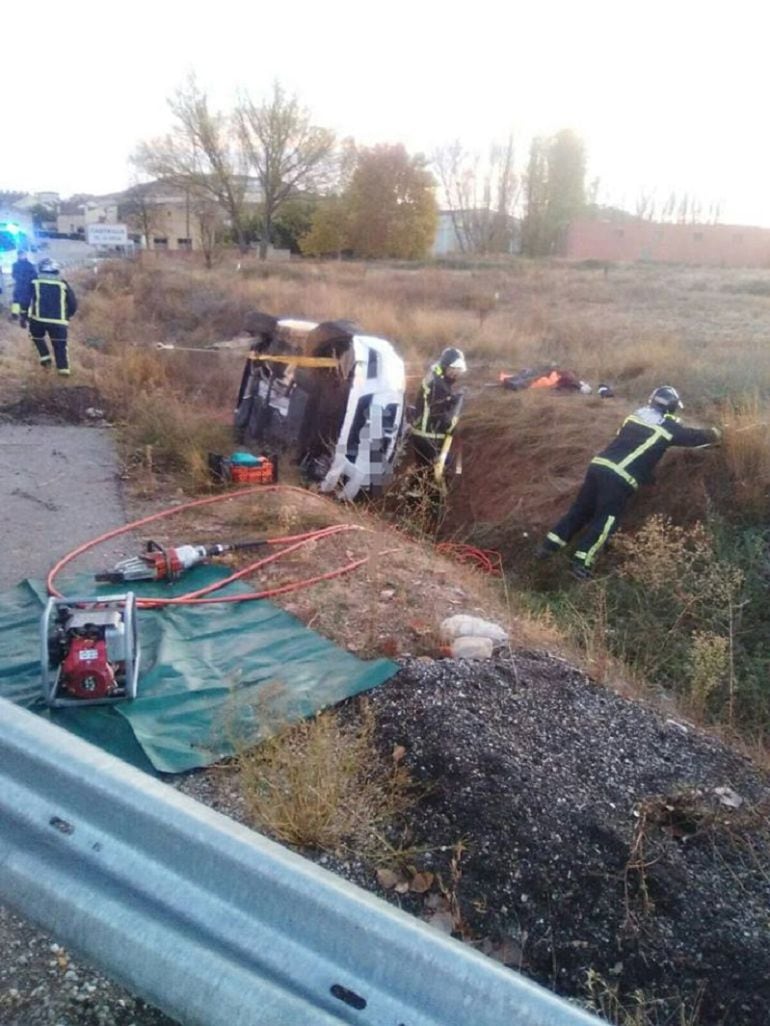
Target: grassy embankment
(682,607)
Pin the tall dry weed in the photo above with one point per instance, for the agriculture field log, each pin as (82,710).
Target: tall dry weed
(322,784)
(746,453)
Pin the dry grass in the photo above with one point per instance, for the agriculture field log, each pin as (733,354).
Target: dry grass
(524,454)
(746,454)
(320,784)
(639,1009)
(634,327)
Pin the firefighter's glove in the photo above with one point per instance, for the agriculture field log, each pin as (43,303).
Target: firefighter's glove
(23,321)
(717,435)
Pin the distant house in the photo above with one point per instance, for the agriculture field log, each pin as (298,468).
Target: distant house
(37,199)
(161,216)
(713,245)
(79,211)
(475,231)
(164,216)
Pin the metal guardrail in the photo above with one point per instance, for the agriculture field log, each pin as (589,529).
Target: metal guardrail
(213,923)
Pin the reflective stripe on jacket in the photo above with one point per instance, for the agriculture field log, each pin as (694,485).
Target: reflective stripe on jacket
(642,440)
(52,301)
(435,407)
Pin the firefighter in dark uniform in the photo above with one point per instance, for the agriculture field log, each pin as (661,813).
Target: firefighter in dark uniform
(616,473)
(436,412)
(23,273)
(51,302)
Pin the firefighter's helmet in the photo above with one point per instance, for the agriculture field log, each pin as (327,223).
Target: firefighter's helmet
(452,362)
(48,266)
(666,398)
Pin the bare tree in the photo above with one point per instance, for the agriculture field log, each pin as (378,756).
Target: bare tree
(481,195)
(683,208)
(140,211)
(455,179)
(286,151)
(201,154)
(669,207)
(645,204)
(209,219)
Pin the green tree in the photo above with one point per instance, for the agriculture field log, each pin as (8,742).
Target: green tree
(534,229)
(566,184)
(555,191)
(328,231)
(390,203)
(294,221)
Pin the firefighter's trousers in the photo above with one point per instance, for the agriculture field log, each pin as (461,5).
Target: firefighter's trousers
(596,511)
(58,336)
(426,450)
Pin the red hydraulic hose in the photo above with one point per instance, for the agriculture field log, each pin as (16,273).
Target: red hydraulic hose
(487,560)
(292,543)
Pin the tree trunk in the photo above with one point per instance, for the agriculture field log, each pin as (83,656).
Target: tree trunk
(243,246)
(264,242)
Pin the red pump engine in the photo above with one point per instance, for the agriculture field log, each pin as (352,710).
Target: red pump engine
(86,671)
(90,650)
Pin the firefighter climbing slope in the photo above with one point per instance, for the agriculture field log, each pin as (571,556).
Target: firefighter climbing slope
(436,413)
(616,473)
(50,302)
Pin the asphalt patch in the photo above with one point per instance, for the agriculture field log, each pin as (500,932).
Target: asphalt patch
(59,487)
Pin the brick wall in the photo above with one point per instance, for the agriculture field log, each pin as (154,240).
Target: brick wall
(715,245)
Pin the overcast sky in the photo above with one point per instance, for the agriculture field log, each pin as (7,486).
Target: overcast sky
(666,95)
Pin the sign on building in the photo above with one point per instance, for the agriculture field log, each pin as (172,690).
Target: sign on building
(106,235)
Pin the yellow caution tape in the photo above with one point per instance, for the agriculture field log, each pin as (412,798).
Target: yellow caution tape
(297,361)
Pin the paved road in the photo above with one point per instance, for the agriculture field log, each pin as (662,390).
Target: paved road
(58,487)
(68,253)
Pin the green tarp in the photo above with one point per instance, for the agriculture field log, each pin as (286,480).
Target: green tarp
(213,678)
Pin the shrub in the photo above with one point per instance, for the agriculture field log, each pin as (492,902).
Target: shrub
(322,784)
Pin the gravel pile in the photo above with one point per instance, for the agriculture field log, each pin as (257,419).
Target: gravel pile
(41,984)
(597,835)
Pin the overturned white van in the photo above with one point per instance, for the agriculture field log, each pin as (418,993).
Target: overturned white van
(340,420)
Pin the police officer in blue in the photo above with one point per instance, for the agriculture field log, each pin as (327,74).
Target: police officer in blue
(23,273)
(51,303)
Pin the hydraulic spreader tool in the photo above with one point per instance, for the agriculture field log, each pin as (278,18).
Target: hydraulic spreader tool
(157,563)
